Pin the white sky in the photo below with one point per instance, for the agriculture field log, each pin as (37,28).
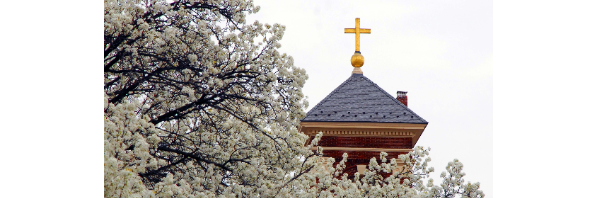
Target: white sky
(440,52)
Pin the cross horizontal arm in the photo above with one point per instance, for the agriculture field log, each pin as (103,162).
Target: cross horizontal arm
(361,31)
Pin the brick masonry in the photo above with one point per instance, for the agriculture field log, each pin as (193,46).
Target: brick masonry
(366,142)
(402,99)
(355,158)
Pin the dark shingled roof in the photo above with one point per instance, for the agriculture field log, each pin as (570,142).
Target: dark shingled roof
(358,99)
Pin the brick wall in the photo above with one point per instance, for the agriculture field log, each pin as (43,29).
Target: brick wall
(362,157)
(366,142)
(355,158)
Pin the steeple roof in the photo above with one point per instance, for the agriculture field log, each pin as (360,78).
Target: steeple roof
(358,99)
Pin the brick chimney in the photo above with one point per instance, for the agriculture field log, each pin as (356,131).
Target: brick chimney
(402,97)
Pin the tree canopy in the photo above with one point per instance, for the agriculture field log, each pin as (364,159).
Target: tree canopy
(199,103)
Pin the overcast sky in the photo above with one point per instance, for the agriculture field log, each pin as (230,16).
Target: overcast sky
(438,51)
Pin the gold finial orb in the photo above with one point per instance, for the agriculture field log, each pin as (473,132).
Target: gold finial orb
(357,59)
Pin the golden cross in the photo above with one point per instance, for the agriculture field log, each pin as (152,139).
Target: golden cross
(357,31)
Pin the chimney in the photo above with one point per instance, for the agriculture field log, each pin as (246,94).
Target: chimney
(402,97)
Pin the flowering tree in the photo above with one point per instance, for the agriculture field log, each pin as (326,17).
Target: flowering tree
(197,102)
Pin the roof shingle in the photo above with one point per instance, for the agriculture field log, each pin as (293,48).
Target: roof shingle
(358,99)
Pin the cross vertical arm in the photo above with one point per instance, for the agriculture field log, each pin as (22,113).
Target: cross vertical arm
(357,30)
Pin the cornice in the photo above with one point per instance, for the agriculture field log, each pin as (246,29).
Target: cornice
(364,129)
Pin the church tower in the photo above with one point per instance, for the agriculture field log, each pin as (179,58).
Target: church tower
(362,120)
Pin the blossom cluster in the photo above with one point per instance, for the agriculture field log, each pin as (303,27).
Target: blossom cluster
(407,174)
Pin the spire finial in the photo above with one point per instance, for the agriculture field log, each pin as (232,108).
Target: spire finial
(357,59)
